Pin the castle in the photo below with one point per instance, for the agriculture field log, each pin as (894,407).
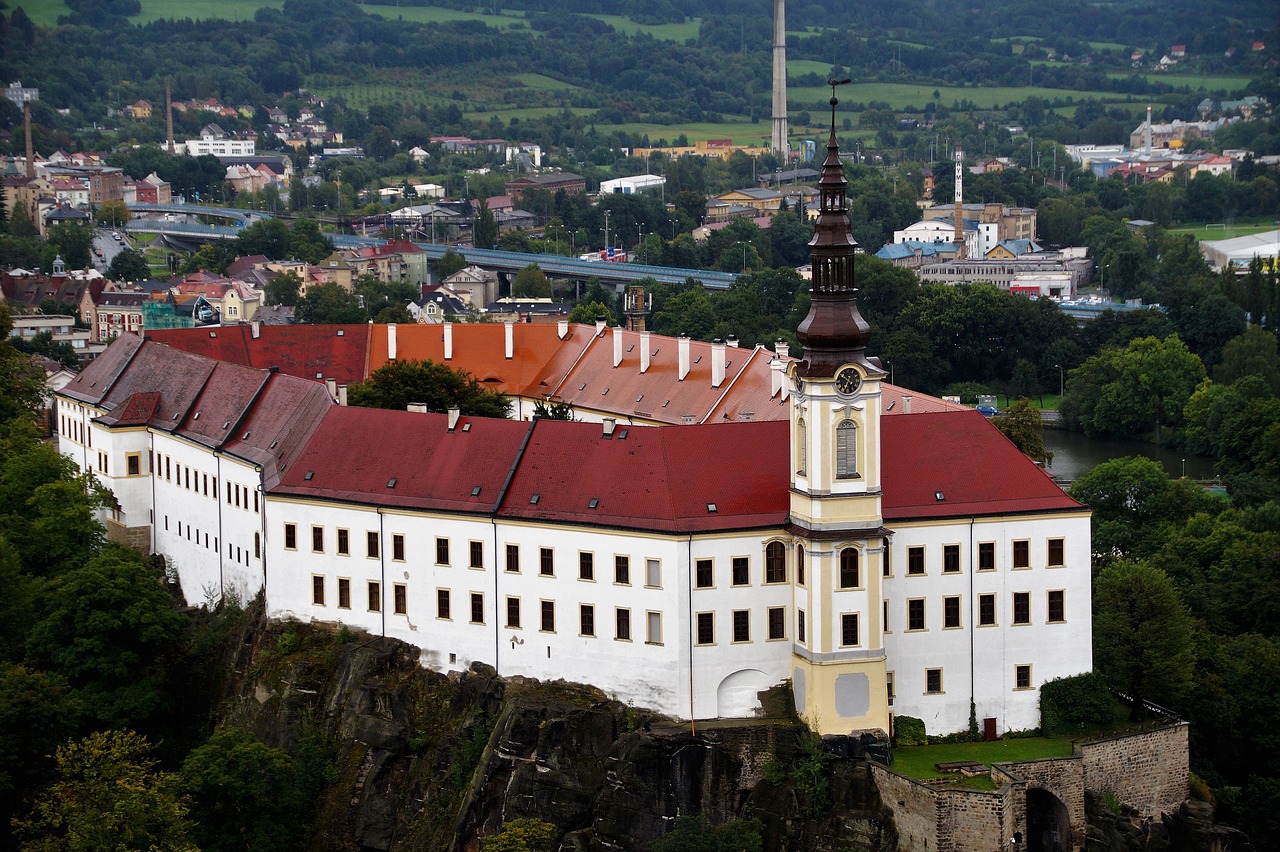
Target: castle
(799,520)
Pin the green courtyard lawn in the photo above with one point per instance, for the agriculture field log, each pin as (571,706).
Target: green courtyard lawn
(1225,232)
(918,761)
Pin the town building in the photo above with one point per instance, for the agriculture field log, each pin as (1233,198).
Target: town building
(876,551)
(567,182)
(632,185)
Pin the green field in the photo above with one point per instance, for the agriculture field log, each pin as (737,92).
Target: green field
(796,67)
(899,95)
(437,15)
(43,13)
(663,32)
(1229,232)
(1196,82)
(741,131)
(544,83)
(918,761)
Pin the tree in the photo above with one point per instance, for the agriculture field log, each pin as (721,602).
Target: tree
(1142,634)
(109,631)
(211,257)
(329,303)
(531,282)
(128,266)
(283,289)
(546,410)
(307,243)
(20,222)
(695,834)
(1253,353)
(244,794)
(522,835)
(38,712)
(1022,425)
(437,386)
(107,794)
(586,312)
(394,314)
(484,234)
(450,263)
(74,241)
(112,212)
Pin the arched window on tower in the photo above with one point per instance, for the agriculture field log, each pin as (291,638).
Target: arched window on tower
(775,562)
(849,568)
(847,450)
(802,452)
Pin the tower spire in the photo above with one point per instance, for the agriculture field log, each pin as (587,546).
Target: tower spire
(834,332)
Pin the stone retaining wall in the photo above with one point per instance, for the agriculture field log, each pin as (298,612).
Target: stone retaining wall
(1147,771)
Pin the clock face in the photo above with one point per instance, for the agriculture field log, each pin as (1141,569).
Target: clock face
(848,381)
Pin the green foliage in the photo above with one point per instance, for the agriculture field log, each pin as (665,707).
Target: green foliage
(72,240)
(112,212)
(1253,353)
(1072,705)
(909,731)
(1021,424)
(522,835)
(586,312)
(532,282)
(437,386)
(485,229)
(128,266)
(329,303)
(553,410)
(379,295)
(283,289)
(450,263)
(1142,634)
(107,794)
(244,794)
(695,834)
(38,712)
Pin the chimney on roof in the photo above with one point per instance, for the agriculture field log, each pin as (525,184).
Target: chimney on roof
(717,362)
(332,387)
(448,341)
(609,424)
(417,408)
(682,347)
(255,329)
(782,348)
(454,414)
(906,403)
(644,352)
(776,378)
(732,341)
(342,395)
(562,329)
(617,346)
(510,338)
(601,324)
(391,341)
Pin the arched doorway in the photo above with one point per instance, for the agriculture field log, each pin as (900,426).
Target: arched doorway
(1048,823)
(739,694)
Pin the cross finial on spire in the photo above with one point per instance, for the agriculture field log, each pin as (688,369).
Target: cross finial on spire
(834,100)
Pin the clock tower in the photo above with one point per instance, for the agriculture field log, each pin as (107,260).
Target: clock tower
(840,544)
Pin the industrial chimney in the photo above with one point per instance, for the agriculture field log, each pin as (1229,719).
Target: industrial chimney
(959,216)
(779,138)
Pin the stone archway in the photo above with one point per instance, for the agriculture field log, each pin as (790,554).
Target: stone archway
(1048,822)
(738,695)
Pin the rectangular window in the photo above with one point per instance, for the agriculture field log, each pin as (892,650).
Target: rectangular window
(586,566)
(255,503)
(800,630)
(133,464)
(344,543)
(397,547)
(848,629)
(653,628)
(1057,606)
(442,551)
(317,539)
(886,570)
(623,624)
(653,573)
(742,625)
(889,686)
(741,571)
(951,611)
(442,603)
(706,628)
(547,562)
(344,593)
(401,594)
(371,544)
(986,610)
(915,614)
(951,559)
(205,478)
(317,590)
(704,574)
(1022,677)
(986,556)
(1021,607)
(548,616)
(1057,552)
(915,560)
(477,608)
(622,570)
(477,554)
(587,620)
(290,537)
(884,617)
(849,578)
(933,681)
(1022,554)
(375,596)
(777,619)
(513,612)
(775,563)
(513,558)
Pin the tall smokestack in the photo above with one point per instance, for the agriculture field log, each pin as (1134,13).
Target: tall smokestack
(779,139)
(1146,140)
(959,202)
(31,149)
(168,116)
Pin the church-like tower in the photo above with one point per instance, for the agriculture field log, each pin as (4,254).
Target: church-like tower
(835,517)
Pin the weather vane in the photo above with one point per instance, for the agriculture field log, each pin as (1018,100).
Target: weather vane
(834,100)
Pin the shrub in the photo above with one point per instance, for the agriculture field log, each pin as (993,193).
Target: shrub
(1073,704)
(909,731)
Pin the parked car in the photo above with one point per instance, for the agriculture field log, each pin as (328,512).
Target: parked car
(987,410)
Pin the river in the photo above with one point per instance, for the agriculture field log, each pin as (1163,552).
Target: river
(1075,454)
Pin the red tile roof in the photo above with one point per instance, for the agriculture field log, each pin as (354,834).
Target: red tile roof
(961,455)
(478,348)
(93,382)
(312,352)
